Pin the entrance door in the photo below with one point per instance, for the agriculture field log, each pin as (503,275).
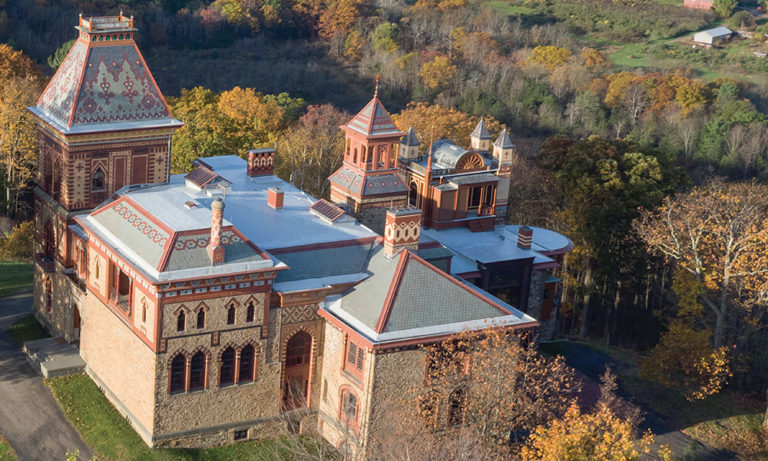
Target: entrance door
(76,326)
(297,358)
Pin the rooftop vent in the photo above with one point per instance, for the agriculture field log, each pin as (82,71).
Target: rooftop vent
(191,204)
(326,211)
(275,198)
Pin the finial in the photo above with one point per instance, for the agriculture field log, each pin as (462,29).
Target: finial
(429,155)
(376,90)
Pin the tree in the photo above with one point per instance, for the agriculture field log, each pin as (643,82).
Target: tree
(312,149)
(17,245)
(725,7)
(718,233)
(438,72)
(507,386)
(442,122)
(549,56)
(55,60)
(385,37)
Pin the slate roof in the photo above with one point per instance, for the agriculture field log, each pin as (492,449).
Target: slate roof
(370,185)
(406,296)
(103,85)
(410,138)
(326,262)
(503,140)
(374,120)
(481,131)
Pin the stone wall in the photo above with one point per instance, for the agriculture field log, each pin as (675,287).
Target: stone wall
(121,362)
(546,328)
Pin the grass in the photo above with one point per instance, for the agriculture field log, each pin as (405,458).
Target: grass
(505,8)
(14,277)
(110,436)
(6,452)
(26,329)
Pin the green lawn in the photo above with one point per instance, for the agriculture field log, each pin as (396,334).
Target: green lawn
(26,329)
(505,8)
(14,277)
(110,436)
(6,452)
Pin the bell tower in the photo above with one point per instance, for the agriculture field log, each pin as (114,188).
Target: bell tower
(368,177)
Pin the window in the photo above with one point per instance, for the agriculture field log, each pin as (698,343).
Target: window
(197,371)
(241,434)
(97,180)
(457,402)
(247,360)
(144,311)
(355,357)
(348,410)
(231,315)
(474,197)
(250,312)
(201,318)
(298,350)
(351,356)
(227,369)
(96,269)
(178,373)
(48,294)
(181,321)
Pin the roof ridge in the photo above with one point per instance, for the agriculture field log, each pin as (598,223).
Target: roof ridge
(79,84)
(394,287)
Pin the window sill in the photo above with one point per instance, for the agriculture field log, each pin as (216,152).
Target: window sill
(352,377)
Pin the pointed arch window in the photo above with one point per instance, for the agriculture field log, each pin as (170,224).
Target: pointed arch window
(144,311)
(178,373)
(250,312)
(181,321)
(197,371)
(247,364)
(227,367)
(457,409)
(98,180)
(231,315)
(201,319)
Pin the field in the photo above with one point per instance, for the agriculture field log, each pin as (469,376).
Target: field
(6,452)
(14,277)
(26,329)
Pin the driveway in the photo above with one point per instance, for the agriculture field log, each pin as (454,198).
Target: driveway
(30,418)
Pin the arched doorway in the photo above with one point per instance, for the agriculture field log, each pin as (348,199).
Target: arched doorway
(49,239)
(76,322)
(297,369)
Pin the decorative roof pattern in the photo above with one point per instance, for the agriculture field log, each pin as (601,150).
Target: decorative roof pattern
(191,250)
(503,140)
(410,138)
(58,99)
(103,85)
(481,131)
(374,120)
(384,184)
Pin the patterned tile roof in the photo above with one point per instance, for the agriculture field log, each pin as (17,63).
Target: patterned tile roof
(374,120)
(481,131)
(326,262)
(101,84)
(191,250)
(503,140)
(410,138)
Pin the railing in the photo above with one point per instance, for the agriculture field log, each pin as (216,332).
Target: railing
(76,282)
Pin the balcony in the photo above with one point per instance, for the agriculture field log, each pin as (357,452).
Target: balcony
(78,284)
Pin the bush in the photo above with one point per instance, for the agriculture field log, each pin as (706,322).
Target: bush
(742,20)
(18,244)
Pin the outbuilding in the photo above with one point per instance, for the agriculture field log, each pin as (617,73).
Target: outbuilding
(714,36)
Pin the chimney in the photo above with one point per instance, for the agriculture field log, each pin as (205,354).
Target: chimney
(524,237)
(275,198)
(261,162)
(401,230)
(216,250)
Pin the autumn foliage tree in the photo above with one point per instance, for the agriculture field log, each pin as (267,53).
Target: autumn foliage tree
(442,122)
(718,233)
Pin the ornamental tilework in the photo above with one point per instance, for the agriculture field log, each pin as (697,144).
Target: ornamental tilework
(59,97)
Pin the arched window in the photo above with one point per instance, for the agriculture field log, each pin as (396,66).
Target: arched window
(197,371)
(181,321)
(298,350)
(144,311)
(458,403)
(96,269)
(247,362)
(231,315)
(354,156)
(48,294)
(98,182)
(348,414)
(178,373)
(201,318)
(227,368)
(250,312)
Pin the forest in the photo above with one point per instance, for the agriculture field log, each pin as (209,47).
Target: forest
(627,137)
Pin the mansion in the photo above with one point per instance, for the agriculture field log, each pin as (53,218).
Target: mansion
(210,307)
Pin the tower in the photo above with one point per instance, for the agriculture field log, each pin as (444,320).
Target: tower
(503,150)
(102,124)
(409,145)
(480,138)
(368,176)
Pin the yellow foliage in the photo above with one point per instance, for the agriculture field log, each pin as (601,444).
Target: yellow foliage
(443,122)
(592,57)
(549,56)
(353,46)
(617,87)
(438,72)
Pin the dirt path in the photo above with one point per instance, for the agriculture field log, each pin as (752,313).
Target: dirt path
(30,418)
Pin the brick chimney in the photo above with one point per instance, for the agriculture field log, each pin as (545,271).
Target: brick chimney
(524,237)
(275,198)
(261,162)
(401,230)
(216,250)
